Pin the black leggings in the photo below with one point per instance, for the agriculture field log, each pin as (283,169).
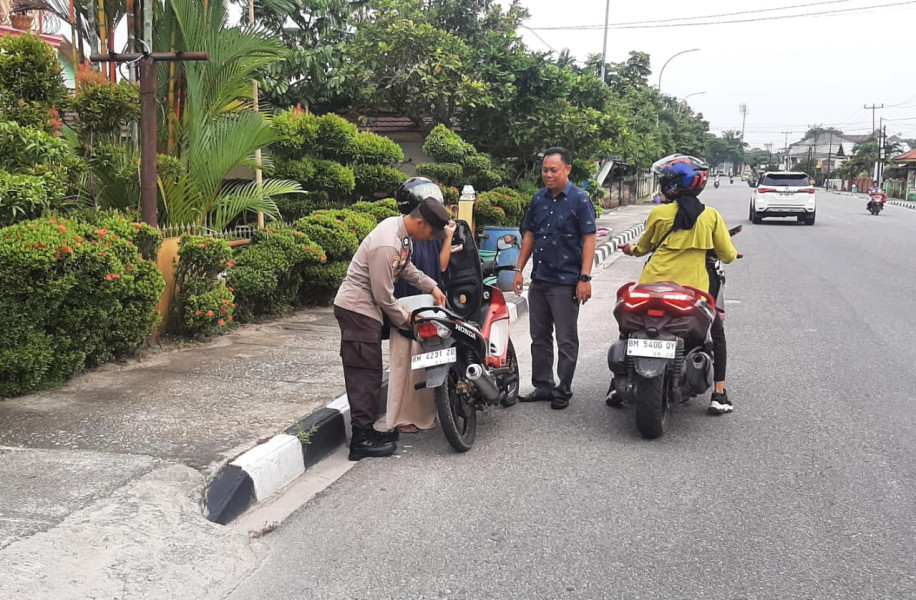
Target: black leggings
(719,348)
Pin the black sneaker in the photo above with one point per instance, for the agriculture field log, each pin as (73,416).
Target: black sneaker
(719,404)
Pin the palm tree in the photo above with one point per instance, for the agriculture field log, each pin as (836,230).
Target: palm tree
(215,126)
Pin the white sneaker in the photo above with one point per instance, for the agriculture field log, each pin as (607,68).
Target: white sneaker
(720,404)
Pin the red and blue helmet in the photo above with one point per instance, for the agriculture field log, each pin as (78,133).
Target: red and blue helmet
(680,175)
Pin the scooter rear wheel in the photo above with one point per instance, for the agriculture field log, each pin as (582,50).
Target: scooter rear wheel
(651,406)
(457,413)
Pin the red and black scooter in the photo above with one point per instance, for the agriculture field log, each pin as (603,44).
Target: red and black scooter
(664,354)
(468,356)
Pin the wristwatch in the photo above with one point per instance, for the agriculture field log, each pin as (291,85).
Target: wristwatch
(585,277)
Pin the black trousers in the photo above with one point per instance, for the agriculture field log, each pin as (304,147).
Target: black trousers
(553,307)
(719,348)
(361,352)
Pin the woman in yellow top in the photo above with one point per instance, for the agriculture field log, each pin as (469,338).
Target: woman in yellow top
(680,234)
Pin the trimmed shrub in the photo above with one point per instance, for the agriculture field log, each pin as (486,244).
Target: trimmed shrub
(331,233)
(335,136)
(360,224)
(298,132)
(268,272)
(380,209)
(448,174)
(486,180)
(321,282)
(122,225)
(367,148)
(103,106)
(31,84)
(72,297)
(509,201)
(327,178)
(477,163)
(200,261)
(450,194)
(446,146)
(372,180)
(486,214)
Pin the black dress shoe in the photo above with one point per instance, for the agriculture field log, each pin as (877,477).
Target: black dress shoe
(559,403)
(388,436)
(365,443)
(534,397)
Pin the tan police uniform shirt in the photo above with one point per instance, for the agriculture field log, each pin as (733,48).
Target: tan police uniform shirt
(382,258)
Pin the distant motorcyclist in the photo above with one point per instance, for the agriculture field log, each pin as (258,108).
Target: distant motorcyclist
(717,180)
(876,194)
(680,233)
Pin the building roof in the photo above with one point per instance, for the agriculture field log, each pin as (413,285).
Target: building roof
(384,125)
(906,157)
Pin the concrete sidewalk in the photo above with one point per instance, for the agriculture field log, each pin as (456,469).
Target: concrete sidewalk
(105,483)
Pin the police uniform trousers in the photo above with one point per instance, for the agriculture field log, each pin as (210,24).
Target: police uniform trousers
(361,352)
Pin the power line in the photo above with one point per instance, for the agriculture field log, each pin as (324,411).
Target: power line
(658,25)
(534,33)
(682,19)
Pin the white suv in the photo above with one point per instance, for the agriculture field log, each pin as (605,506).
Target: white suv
(783,194)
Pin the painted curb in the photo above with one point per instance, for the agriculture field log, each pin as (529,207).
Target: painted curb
(260,472)
(903,203)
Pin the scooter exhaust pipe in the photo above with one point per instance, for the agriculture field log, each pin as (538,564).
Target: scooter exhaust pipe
(483,382)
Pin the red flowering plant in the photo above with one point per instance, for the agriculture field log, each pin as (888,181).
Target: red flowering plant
(69,301)
(202,265)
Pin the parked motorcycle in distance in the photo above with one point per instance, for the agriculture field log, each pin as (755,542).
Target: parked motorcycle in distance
(664,354)
(468,355)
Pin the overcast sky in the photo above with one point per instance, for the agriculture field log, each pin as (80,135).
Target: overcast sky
(790,73)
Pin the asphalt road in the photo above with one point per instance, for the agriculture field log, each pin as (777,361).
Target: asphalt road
(807,491)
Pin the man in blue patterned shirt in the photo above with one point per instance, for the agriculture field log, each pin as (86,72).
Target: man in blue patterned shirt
(560,235)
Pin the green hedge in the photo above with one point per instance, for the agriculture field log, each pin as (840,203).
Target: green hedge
(380,209)
(448,174)
(268,273)
(72,296)
(320,282)
(367,148)
(335,136)
(335,237)
(445,146)
(324,177)
(298,133)
(374,180)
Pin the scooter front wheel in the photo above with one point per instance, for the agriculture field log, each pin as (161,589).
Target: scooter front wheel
(511,398)
(457,413)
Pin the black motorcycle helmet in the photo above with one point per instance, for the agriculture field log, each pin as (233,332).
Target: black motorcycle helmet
(414,190)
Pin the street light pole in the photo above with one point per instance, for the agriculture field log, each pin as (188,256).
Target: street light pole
(607,13)
(662,72)
(684,99)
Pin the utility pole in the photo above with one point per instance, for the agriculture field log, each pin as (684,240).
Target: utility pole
(742,108)
(829,158)
(785,158)
(258,175)
(872,108)
(607,13)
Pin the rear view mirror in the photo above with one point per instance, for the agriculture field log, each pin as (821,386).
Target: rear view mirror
(506,241)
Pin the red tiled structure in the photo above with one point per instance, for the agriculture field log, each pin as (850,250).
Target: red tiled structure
(908,159)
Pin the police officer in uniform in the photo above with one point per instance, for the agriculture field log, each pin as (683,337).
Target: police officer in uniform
(365,295)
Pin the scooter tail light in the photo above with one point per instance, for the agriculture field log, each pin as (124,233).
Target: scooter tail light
(679,301)
(635,298)
(428,330)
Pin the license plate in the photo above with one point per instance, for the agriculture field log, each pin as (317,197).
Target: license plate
(431,359)
(651,348)
(785,195)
